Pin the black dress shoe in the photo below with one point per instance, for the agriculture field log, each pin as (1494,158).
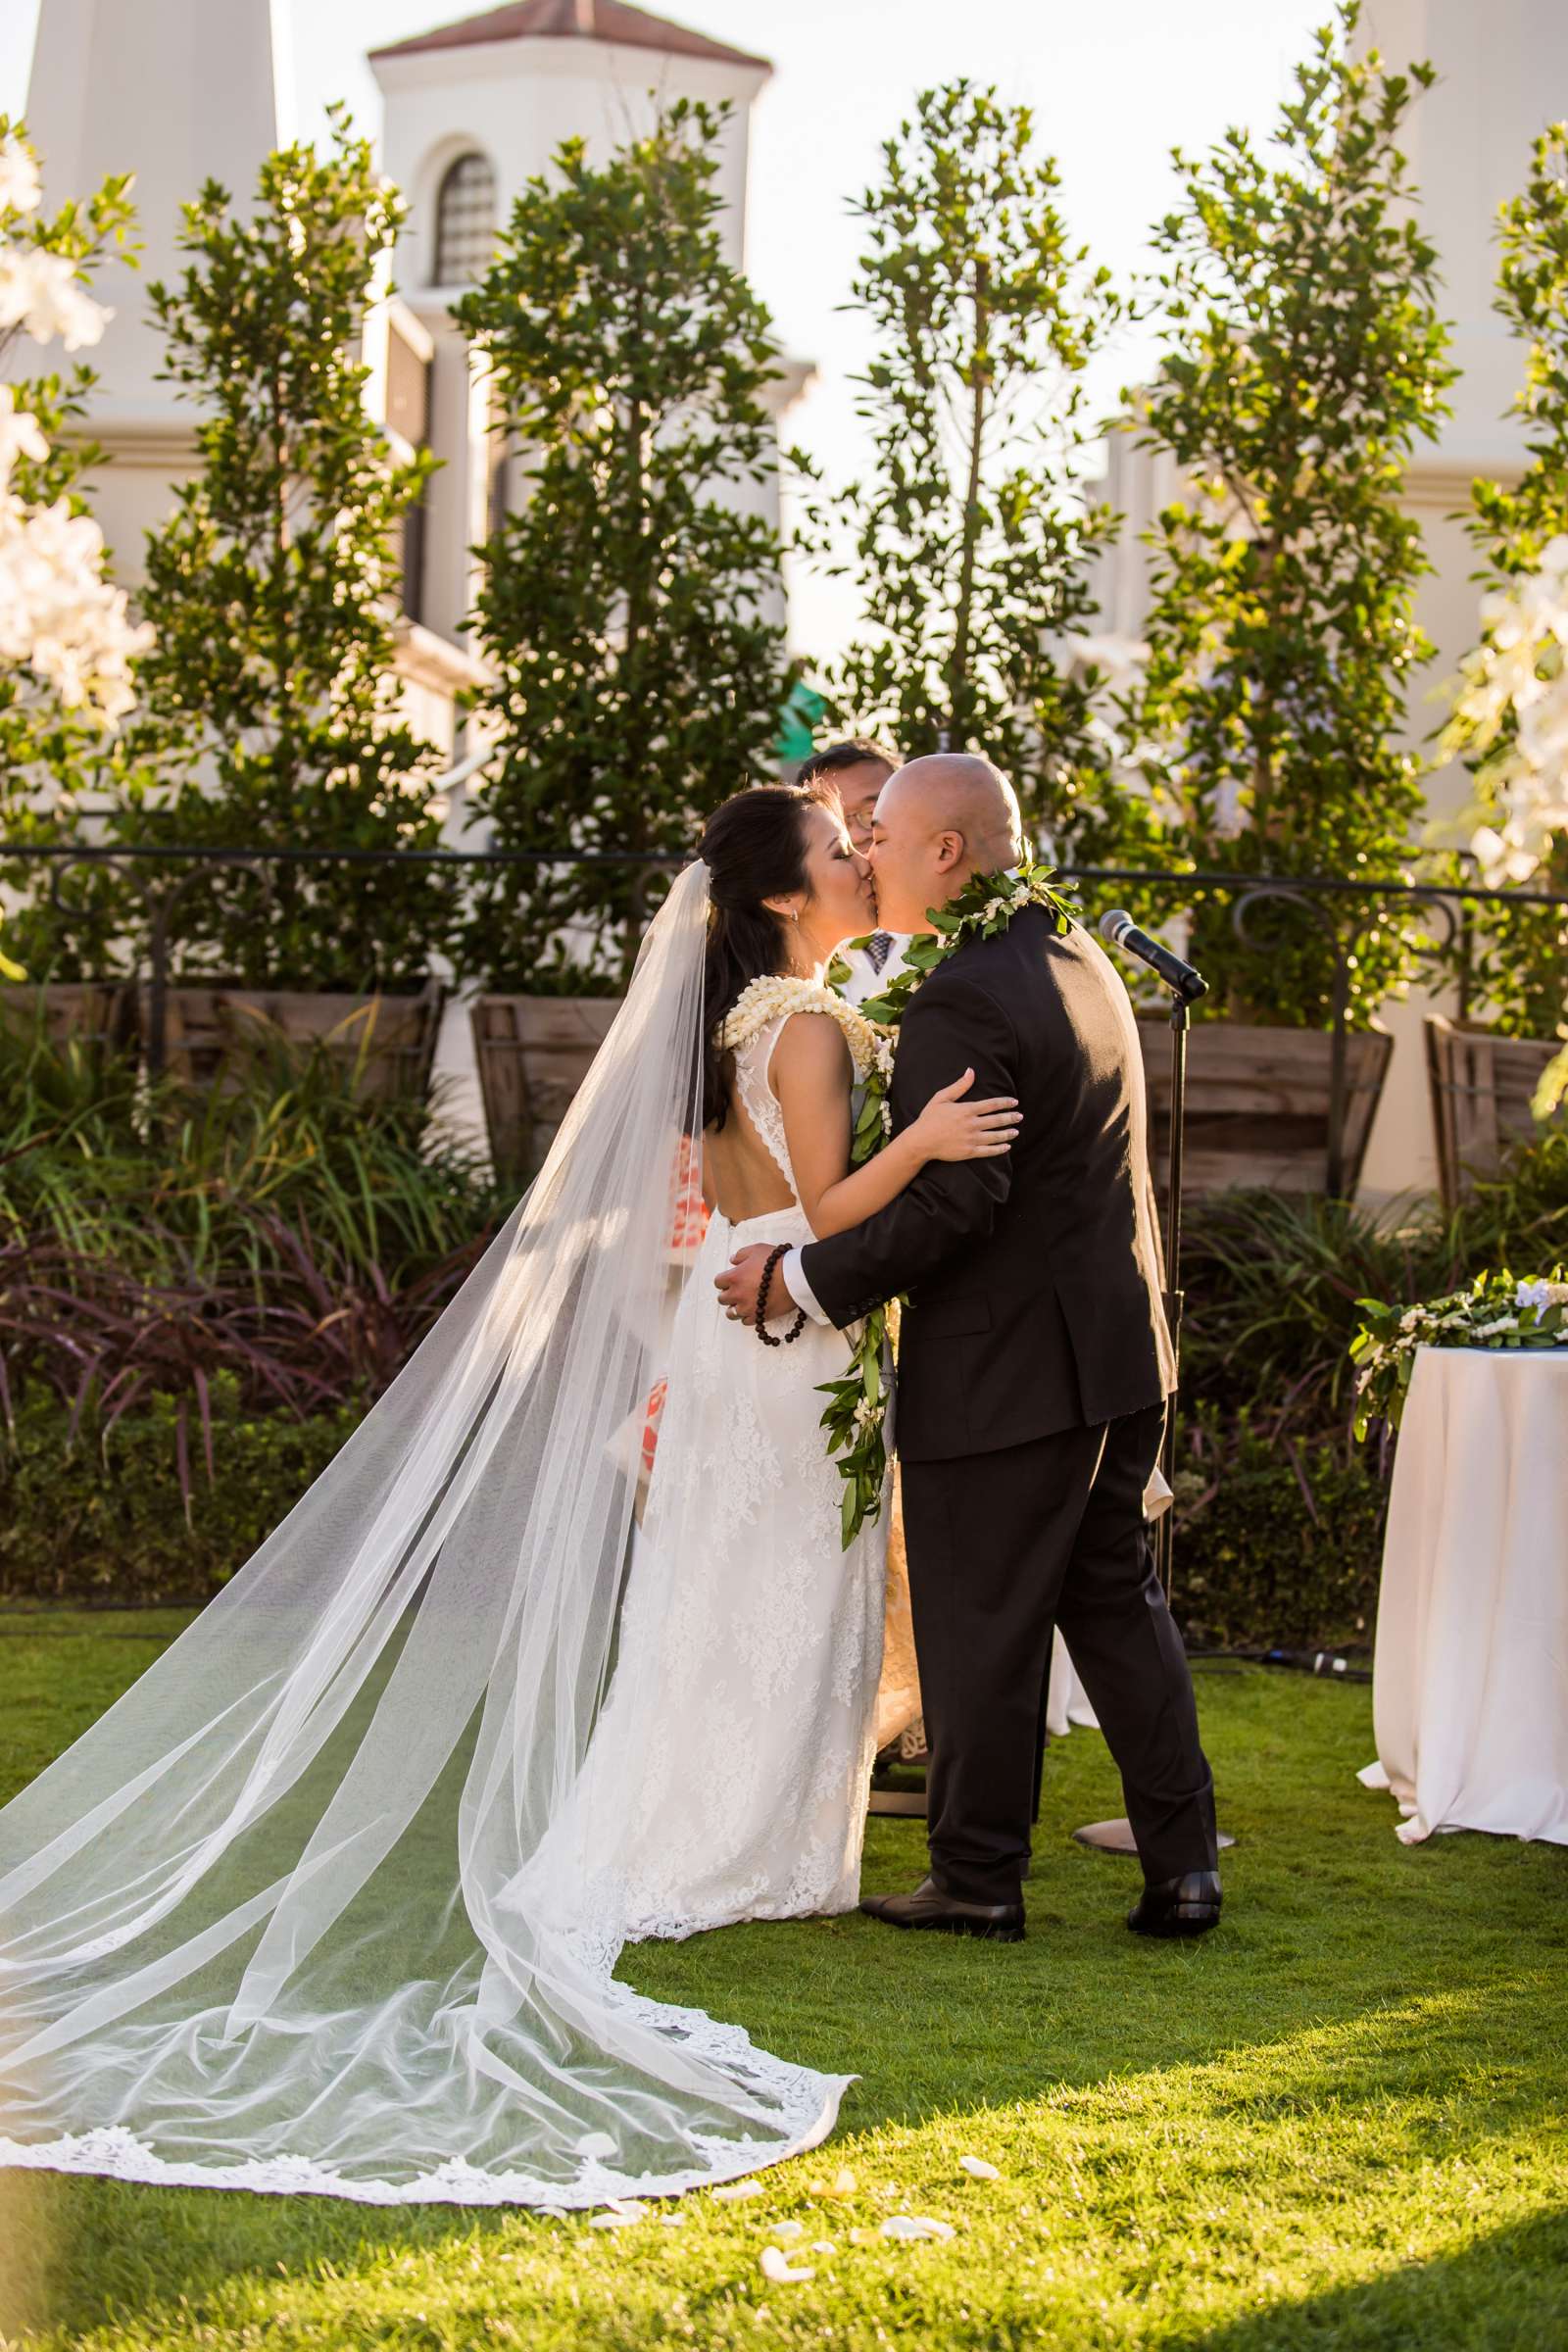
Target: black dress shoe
(1183,1906)
(929,1907)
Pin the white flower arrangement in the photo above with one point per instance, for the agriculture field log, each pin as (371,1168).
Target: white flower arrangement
(1498,1310)
(21,184)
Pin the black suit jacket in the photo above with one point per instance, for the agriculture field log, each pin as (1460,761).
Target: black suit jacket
(1034,1280)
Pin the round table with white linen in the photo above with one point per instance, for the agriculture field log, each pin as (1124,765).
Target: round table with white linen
(1470,1683)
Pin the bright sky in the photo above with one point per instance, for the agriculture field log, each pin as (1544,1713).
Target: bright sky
(1113,89)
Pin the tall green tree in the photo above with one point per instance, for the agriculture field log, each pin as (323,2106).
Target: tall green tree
(271,699)
(1521,952)
(972,537)
(1305,361)
(639,677)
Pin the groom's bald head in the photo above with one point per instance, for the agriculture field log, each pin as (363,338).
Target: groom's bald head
(938,821)
(962,793)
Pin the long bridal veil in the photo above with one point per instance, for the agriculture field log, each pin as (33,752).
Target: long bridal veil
(257,1926)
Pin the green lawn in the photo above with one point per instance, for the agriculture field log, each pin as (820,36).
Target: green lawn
(1335,2123)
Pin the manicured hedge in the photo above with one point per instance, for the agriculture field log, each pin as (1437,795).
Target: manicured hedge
(1276,1540)
(1255,1563)
(95,1521)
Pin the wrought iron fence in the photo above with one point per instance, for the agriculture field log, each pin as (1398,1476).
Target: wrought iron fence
(1344,911)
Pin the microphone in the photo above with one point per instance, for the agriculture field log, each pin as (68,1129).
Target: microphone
(1119,929)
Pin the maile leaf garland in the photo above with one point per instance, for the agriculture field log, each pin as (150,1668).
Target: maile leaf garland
(856,1411)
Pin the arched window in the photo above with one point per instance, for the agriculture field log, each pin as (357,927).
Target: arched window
(465,219)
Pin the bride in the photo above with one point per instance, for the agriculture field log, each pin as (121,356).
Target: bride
(330,1901)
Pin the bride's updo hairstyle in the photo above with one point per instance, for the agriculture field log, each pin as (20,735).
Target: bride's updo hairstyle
(753,847)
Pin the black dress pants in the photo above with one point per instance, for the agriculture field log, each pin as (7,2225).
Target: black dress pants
(1003,1548)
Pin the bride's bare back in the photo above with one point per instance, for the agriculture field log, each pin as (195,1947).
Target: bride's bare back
(740,1173)
(741,1179)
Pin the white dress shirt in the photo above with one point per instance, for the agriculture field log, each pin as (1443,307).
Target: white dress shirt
(864,979)
(799,1288)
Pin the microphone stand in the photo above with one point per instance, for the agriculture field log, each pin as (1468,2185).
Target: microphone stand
(1165,1525)
(1116,1836)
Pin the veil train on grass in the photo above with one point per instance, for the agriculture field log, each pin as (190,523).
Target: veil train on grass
(253,1925)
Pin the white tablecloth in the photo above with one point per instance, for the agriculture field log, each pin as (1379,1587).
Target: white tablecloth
(1470,1687)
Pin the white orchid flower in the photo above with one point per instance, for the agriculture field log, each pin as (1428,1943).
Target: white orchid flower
(21,187)
(1501,861)
(21,435)
(40,292)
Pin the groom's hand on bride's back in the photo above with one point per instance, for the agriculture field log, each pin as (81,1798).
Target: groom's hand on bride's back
(741,1280)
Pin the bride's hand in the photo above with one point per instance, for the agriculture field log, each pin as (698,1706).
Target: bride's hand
(950,1129)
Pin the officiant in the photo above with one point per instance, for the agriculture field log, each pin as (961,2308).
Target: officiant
(857,769)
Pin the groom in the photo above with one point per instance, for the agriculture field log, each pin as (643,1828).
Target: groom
(1034,1364)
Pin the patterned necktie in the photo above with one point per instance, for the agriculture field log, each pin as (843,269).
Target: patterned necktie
(879,946)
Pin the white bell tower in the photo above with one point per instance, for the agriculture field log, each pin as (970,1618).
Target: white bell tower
(178,92)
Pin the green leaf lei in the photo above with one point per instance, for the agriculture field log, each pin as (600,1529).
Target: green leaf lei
(857,1410)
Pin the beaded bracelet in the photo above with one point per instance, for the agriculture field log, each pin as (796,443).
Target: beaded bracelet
(760,1318)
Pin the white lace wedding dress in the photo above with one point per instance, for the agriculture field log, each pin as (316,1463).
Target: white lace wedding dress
(726,1778)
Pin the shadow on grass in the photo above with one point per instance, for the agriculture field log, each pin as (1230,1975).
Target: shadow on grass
(106,2252)
(149,2259)
(1508,2292)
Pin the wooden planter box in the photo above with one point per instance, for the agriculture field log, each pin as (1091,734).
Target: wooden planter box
(1481,1087)
(207,1031)
(533,1053)
(95,1012)
(1257,1099)
(1257,1103)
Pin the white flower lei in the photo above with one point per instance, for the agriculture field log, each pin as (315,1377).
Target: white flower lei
(763,1000)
